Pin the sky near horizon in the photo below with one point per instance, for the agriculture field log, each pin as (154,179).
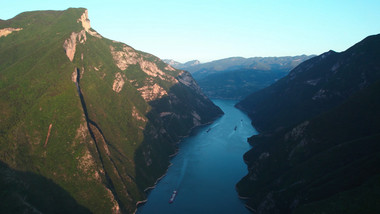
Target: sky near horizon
(208,30)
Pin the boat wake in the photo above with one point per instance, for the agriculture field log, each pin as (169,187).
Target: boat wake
(182,175)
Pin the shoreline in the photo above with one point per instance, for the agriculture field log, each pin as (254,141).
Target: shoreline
(146,190)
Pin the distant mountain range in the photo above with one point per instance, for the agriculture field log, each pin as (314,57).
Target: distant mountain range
(179,65)
(318,150)
(237,77)
(87,124)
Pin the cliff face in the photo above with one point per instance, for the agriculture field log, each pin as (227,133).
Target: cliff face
(318,149)
(94,116)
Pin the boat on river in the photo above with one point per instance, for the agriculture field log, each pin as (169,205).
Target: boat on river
(173,196)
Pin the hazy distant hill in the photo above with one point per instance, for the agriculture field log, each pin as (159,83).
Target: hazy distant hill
(237,77)
(179,65)
(86,123)
(318,150)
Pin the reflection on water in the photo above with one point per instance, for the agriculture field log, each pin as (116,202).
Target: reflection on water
(206,169)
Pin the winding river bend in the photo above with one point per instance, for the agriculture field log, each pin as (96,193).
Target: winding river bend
(206,169)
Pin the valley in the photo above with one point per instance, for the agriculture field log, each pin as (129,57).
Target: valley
(92,125)
(208,165)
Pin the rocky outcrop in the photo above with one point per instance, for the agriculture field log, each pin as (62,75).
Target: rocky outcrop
(152,92)
(137,115)
(169,68)
(118,83)
(70,44)
(151,69)
(87,26)
(6,31)
(85,21)
(124,58)
(128,56)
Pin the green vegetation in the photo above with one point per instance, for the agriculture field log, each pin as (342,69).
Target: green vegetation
(99,164)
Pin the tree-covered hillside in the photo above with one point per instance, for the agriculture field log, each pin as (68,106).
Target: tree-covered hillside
(91,117)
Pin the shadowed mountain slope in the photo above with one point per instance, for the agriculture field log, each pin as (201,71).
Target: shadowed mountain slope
(318,150)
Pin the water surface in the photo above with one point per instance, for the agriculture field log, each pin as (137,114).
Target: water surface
(207,168)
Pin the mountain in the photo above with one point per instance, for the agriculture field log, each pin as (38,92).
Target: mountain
(179,65)
(172,63)
(318,149)
(237,77)
(87,123)
(191,63)
(201,70)
(238,84)
(314,86)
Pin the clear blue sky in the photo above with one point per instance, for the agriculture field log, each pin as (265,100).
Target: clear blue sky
(213,29)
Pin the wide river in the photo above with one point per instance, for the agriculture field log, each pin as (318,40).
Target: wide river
(206,169)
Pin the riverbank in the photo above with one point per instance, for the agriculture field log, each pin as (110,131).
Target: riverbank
(206,168)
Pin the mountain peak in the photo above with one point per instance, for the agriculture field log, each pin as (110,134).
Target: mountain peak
(85,21)
(108,102)
(192,63)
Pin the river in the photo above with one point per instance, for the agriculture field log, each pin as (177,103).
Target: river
(206,169)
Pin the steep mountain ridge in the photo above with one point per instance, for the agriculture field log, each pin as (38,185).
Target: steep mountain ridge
(314,86)
(93,115)
(318,151)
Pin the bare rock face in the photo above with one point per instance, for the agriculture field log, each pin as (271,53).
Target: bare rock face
(70,44)
(151,68)
(6,31)
(87,26)
(128,56)
(95,34)
(153,92)
(118,83)
(124,58)
(74,75)
(169,68)
(137,115)
(85,21)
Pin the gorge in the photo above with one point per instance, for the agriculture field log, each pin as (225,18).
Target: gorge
(208,165)
(92,125)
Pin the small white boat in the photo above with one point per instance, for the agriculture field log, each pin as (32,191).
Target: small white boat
(173,196)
